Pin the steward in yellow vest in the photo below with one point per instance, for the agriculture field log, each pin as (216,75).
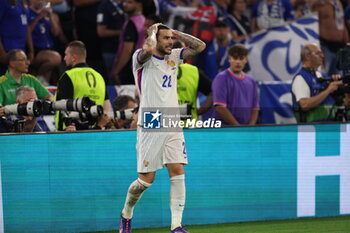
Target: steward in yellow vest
(190,80)
(79,81)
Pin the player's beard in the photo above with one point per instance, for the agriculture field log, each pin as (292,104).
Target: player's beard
(163,50)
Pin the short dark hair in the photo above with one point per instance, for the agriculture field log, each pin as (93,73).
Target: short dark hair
(12,55)
(121,102)
(238,50)
(78,48)
(162,27)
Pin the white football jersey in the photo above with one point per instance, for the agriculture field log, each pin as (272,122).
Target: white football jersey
(156,80)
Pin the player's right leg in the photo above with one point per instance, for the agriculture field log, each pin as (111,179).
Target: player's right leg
(135,192)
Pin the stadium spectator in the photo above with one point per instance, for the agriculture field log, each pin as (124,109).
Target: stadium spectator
(235,94)
(80,81)
(85,14)
(64,11)
(221,7)
(333,32)
(312,100)
(16,76)
(44,26)
(175,12)
(131,38)
(214,59)
(347,17)
(302,7)
(110,19)
(239,23)
(149,7)
(14,33)
(24,94)
(122,103)
(270,13)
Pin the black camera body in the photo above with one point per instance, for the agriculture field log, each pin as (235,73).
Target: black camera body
(83,119)
(343,64)
(11,125)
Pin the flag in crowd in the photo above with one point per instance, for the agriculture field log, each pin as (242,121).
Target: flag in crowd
(274,54)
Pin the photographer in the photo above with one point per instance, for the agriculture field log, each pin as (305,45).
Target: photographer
(122,103)
(312,100)
(24,94)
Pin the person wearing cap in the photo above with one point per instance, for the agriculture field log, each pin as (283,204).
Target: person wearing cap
(214,58)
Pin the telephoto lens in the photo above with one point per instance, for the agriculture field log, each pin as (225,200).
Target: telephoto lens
(126,114)
(95,111)
(26,109)
(82,104)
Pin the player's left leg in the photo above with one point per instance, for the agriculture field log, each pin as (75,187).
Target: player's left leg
(177,195)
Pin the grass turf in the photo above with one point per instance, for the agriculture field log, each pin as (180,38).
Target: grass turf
(339,224)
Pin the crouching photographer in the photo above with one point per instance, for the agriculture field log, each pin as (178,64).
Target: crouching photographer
(312,94)
(125,114)
(22,116)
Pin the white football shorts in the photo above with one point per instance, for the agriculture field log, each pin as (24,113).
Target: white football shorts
(155,149)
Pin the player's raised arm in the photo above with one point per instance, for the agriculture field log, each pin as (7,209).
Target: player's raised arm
(149,45)
(195,45)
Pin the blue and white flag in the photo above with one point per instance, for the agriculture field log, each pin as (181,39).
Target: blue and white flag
(276,103)
(274,54)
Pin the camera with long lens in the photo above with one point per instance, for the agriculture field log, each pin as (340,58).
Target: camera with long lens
(33,108)
(126,114)
(83,120)
(343,64)
(82,104)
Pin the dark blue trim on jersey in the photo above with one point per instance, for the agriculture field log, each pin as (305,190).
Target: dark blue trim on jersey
(159,58)
(182,54)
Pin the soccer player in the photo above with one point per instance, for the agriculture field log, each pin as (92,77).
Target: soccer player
(155,68)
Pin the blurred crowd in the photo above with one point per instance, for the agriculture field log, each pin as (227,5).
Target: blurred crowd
(113,29)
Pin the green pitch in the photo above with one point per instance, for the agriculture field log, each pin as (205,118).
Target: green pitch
(340,224)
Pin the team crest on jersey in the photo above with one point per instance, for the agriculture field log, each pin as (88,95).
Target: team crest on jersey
(171,63)
(145,163)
